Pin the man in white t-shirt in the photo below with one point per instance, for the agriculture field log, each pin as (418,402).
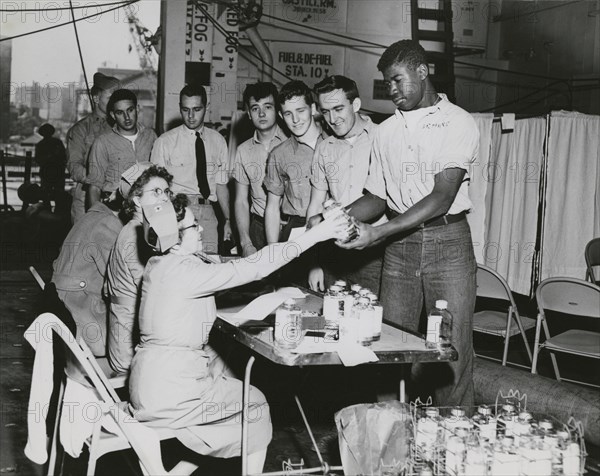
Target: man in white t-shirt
(419,177)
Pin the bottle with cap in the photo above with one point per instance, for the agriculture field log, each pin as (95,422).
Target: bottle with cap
(439,327)
(365,314)
(377,320)
(487,423)
(288,325)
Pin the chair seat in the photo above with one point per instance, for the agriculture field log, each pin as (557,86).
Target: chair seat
(109,442)
(494,322)
(576,341)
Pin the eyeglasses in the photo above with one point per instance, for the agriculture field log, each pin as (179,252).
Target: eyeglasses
(193,225)
(159,192)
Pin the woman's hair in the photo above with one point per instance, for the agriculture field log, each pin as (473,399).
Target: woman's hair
(129,206)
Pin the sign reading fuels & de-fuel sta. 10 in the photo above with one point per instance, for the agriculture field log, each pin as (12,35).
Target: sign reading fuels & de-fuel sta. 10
(306,62)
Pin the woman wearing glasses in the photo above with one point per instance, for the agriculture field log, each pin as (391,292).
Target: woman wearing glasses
(171,383)
(126,264)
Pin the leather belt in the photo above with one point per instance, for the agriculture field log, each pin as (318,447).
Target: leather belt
(439,221)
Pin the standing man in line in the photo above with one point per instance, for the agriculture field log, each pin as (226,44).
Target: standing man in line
(114,152)
(340,169)
(250,165)
(419,175)
(197,158)
(289,164)
(81,137)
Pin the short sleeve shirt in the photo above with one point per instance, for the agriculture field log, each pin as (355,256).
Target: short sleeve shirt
(250,168)
(176,151)
(112,154)
(340,167)
(410,148)
(289,168)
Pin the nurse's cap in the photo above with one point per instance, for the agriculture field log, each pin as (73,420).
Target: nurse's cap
(160,226)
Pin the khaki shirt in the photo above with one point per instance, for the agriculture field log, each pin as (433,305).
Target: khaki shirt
(176,151)
(112,154)
(250,166)
(288,174)
(79,142)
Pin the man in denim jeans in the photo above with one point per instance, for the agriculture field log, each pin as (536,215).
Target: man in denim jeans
(418,177)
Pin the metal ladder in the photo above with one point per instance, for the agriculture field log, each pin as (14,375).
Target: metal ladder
(441,69)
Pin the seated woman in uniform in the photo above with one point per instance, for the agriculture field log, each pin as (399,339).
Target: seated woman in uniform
(126,263)
(170,383)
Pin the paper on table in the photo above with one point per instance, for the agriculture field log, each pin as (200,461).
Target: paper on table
(296,232)
(262,306)
(350,354)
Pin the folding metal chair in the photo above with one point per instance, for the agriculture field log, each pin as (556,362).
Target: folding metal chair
(573,298)
(114,429)
(491,285)
(116,380)
(592,258)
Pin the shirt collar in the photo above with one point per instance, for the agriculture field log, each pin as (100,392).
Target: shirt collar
(192,132)
(296,142)
(278,133)
(362,124)
(442,103)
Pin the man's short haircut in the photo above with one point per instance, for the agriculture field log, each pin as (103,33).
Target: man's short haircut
(193,90)
(294,89)
(129,206)
(337,81)
(259,91)
(121,95)
(95,91)
(180,203)
(409,52)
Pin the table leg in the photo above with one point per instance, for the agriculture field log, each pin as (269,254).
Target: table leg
(245,405)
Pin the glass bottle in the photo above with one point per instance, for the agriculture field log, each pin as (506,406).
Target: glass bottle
(439,327)
(288,325)
(330,206)
(377,321)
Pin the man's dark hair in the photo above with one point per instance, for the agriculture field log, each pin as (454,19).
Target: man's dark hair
(95,90)
(180,203)
(409,52)
(192,90)
(136,190)
(337,81)
(294,89)
(259,91)
(121,95)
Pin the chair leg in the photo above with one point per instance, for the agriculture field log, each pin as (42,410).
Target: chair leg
(552,356)
(507,336)
(93,459)
(536,345)
(522,329)
(54,442)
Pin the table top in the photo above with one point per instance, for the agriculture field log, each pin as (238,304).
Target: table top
(396,346)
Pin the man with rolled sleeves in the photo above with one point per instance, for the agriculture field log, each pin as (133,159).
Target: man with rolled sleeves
(419,176)
(250,165)
(197,158)
(83,134)
(112,153)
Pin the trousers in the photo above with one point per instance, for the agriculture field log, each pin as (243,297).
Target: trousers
(419,268)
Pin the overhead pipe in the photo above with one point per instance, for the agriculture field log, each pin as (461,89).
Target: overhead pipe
(249,17)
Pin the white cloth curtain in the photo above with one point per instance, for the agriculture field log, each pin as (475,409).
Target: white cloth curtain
(512,201)
(479,184)
(572,215)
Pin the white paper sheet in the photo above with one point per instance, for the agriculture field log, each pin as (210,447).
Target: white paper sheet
(262,306)
(296,232)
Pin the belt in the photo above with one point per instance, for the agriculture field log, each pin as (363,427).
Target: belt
(295,220)
(439,221)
